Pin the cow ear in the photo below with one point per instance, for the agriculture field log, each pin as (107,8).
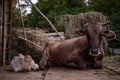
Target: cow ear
(109,35)
(80,32)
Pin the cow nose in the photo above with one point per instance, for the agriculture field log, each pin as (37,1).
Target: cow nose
(95,50)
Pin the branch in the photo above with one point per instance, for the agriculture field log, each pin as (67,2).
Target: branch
(46,18)
(39,47)
(22,21)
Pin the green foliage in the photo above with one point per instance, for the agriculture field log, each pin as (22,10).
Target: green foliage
(54,8)
(108,7)
(16,19)
(116,24)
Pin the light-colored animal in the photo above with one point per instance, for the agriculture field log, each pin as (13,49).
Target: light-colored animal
(84,52)
(23,63)
(29,63)
(17,63)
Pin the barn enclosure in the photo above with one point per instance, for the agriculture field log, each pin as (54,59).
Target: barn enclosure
(31,40)
(26,26)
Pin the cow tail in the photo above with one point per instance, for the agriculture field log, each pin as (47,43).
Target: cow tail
(45,56)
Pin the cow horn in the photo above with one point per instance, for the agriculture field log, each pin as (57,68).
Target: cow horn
(108,22)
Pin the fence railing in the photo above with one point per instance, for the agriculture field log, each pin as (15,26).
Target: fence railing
(114,50)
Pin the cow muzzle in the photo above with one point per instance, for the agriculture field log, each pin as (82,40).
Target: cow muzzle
(95,52)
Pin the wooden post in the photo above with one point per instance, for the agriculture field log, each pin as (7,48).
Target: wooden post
(9,26)
(1,33)
(4,33)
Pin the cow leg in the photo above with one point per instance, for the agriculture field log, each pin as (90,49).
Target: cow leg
(98,64)
(44,59)
(78,60)
(82,63)
(49,63)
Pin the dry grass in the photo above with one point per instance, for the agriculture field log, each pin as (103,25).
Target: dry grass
(37,36)
(72,22)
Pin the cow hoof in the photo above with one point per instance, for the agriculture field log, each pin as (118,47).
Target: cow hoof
(41,67)
(37,69)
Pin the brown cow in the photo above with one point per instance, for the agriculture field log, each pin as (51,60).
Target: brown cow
(84,51)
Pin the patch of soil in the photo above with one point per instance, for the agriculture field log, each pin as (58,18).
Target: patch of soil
(62,73)
(113,62)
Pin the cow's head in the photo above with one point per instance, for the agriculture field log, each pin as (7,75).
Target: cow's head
(94,33)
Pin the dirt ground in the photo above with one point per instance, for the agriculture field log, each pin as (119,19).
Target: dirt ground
(62,73)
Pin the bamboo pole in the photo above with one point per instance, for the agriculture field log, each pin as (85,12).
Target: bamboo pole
(22,21)
(46,19)
(4,33)
(9,26)
(1,34)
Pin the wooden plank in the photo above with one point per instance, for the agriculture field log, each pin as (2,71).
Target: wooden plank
(4,33)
